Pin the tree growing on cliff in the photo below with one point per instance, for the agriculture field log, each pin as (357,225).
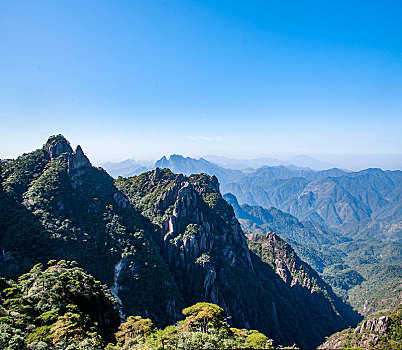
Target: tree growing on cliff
(202,316)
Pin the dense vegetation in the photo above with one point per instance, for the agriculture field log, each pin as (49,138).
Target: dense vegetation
(60,307)
(203,328)
(368,275)
(55,205)
(63,307)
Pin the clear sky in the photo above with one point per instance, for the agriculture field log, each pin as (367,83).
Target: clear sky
(143,78)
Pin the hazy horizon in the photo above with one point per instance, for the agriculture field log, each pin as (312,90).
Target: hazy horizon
(142,79)
(341,161)
(353,162)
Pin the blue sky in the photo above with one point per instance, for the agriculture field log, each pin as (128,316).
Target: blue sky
(139,79)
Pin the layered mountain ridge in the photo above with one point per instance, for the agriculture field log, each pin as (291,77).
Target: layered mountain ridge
(367,273)
(363,204)
(160,241)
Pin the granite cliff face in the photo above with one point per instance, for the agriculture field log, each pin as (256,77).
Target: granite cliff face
(384,332)
(363,204)
(207,253)
(56,146)
(199,236)
(281,257)
(77,161)
(306,284)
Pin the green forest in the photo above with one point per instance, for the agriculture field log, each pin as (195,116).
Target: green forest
(63,307)
(161,261)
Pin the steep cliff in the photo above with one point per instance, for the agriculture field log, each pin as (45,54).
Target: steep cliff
(199,236)
(207,253)
(366,273)
(305,282)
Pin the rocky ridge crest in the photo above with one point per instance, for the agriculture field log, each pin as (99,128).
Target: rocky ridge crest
(207,253)
(384,332)
(160,240)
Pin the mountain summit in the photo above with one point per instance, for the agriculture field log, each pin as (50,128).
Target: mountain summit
(160,241)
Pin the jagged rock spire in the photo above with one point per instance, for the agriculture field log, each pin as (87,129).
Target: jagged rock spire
(79,159)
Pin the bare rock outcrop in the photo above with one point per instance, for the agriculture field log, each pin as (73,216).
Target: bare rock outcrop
(78,160)
(200,238)
(57,145)
(377,325)
(369,334)
(121,200)
(208,255)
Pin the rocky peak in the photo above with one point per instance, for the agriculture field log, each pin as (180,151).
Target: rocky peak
(231,199)
(57,145)
(162,163)
(196,244)
(204,183)
(78,159)
(156,174)
(255,237)
(282,258)
(199,235)
(176,157)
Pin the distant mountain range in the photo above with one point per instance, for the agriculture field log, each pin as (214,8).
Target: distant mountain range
(240,164)
(301,161)
(306,237)
(356,204)
(128,167)
(367,273)
(131,167)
